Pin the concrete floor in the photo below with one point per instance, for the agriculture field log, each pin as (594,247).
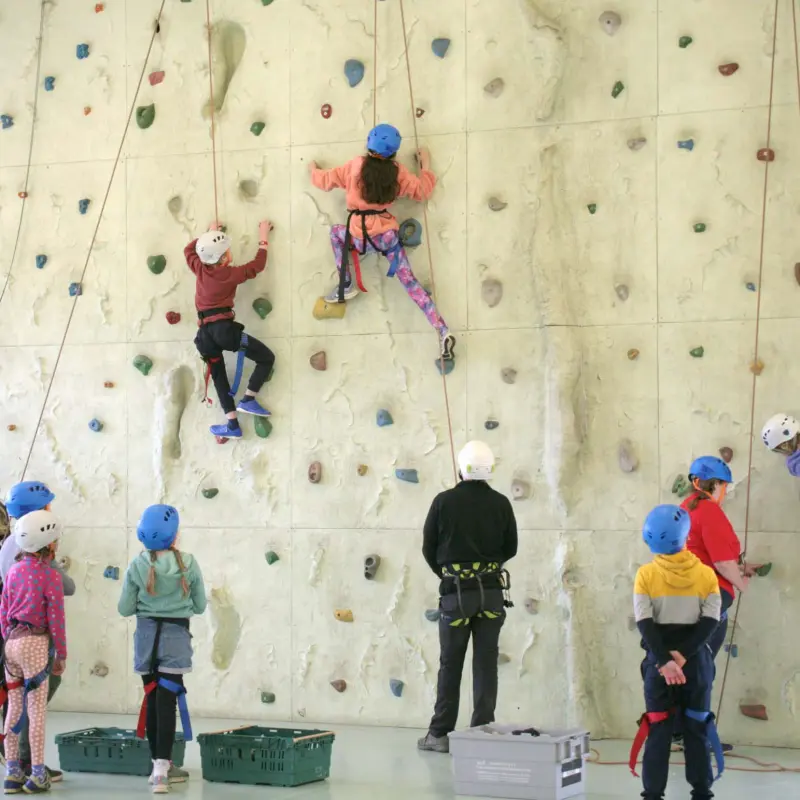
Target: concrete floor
(370,763)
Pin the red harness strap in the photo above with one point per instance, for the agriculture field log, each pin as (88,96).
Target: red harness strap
(206,399)
(357,270)
(648,719)
(148,690)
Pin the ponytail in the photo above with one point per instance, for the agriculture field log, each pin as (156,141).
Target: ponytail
(151,579)
(702,491)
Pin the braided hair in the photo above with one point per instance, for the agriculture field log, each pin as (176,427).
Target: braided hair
(151,578)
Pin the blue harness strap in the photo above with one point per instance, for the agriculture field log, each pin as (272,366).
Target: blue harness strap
(31,685)
(237,379)
(713,736)
(393,264)
(180,691)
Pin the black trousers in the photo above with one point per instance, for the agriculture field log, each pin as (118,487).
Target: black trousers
(453,641)
(214,339)
(693,695)
(162,706)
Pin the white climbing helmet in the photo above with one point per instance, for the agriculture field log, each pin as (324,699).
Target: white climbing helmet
(476,462)
(37,530)
(211,246)
(779,429)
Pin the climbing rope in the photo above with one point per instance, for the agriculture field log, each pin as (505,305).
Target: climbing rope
(30,150)
(156,28)
(213,113)
(427,237)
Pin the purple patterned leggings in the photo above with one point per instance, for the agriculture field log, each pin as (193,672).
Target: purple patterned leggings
(398,259)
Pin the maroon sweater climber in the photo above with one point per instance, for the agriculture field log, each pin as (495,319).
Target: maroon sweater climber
(216,286)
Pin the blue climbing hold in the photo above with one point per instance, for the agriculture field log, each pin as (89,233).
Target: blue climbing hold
(440,47)
(6,121)
(397,687)
(75,290)
(49,83)
(96,426)
(354,71)
(82,51)
(112,573)
(449,365)
(411,233)
(407,475)
(751,287)
(41,260)
(384,418)
(83,205)
(686,144)
(733,649)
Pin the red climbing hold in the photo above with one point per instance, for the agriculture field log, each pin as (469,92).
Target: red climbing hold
(156,77)
(22,195)
(221,439)
(326,111)
(754,711)
(420,112)
(99,7)
(173,317)
(766,154)
(109,384)
(728,69)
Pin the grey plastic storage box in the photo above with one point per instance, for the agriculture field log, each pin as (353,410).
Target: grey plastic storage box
(491,762)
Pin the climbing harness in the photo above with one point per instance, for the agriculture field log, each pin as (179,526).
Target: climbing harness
(645,721)
(709,719)
(210,360)
(237,378)
(467,576)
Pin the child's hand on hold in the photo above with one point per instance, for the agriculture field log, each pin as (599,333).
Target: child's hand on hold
(312,165)
(424,158)
(672,674)
(59,666)
(678,658)
(264,227)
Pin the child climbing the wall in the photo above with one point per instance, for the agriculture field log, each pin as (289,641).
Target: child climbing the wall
(164,588)
(781,434)
(209,258)
(372,183)
(33,628)
(676,604)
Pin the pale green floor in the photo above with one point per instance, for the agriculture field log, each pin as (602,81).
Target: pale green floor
(383,764)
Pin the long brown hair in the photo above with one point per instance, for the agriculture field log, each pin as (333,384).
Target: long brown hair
(379,180)
(703,490)
(151,578)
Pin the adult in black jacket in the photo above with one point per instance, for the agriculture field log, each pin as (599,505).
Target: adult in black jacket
(470,533)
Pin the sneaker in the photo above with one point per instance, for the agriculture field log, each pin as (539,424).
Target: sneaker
(13,783)
(36,785)
(55,775)
(249,405)
(434,744)
(226,432)
(175,775)
(350,291)
(448,347)
(160,784)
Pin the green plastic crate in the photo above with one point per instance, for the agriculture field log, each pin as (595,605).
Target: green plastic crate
(113,751)
(267,756)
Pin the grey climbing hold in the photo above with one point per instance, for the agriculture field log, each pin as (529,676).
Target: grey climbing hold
(145,116)
(7,121)
(75,290)
(354,71)
(271,556)
(99,670)
(508,375)
(433,614)
(627,458)
(610,22)
(622,291)
(112,573)
(175,204)
(637,143)
(491,424)
(41,260)
(95,425)
(248,188)
(319,361)
(503,659)
(210,494)
(531,605)
(339,685)
(371,564)
(49,83)
(384,418)
(726,454)
(492,292)
(268,698)
(407,475)
(520,488)
(143,364)
(396,686)
(315,472)
(257,128)
(82,51)
(440,47)
(263,427)
(64,563)
(83,205)
(632,626)
(410,233)
(449,366)
(262,307)
(495,87)
(686,144)
(495,204)
(750,286)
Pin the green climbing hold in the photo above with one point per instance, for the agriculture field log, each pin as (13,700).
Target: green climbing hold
(145,116)
(210,494)
(156,264)
(684,42)
(266,2)
(681,486)
(263,427)
(592,208)
(619,88)
(267,698)
(262,307)
(697,352)
(699,227)
(143,364)
(764,570)
(271,557)
(256,128)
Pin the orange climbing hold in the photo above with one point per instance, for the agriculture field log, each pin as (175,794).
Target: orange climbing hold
(22,195)
(757,367)
(99,8)
(766,154)
(87,110)
(12,428)
(754,711)
(728,69)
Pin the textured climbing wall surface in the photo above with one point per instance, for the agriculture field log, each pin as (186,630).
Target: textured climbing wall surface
(591,238)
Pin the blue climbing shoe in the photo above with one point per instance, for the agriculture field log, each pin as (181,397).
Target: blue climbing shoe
(226,431)
(249,405)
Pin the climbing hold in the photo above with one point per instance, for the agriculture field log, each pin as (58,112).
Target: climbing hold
(497,205)
(145,116)
(491,292)
(87,110)
(325,310)
(339,685)
(733,649)
(99,670)
(222,439)
(592,208)
(684,42)
(610,22)
(11,428)
(266,2)
(267,698)
(508,375)
(362,470)
(263,427)
(531,605)
(271,557)
(22,195)
(433,615)
(371,564)
(156,77)
(633,354)
(420,113)
(49,83)
(502,658)
(491,424)
(632,623)
(410,233)
(757,366)
(83,205)
(82,51)
(449,366)
(262,307)
(248,189)
(754,711)
(75,290)
(617,89)
(397,687)
(797,271)
(108,385)
(64,563)
(407,475)
(353,71)
(766,154)
(95,425)
(6,121)
(726,454)
(326,111)
(750,286)
(728,69)
(41,260)
(697,352)
(210,494)
(681,486)
(173,317)
(520,489)
(622,291)
(256,128)
(627,458)
(343,614)
(764,570)
(440,47)
(99,7)
(686,144)
(143,364)
(383,418)
(495,87)
(156,264)
(315,472)
(112,573)
(319,361)
(637,144)
(699,227)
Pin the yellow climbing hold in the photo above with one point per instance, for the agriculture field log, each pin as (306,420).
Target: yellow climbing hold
(325,310)
(343,614)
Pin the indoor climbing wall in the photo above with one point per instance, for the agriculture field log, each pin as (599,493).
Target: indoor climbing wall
(607,236)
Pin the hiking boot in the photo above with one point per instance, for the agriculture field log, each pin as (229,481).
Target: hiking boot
(448,346)
(226,431)
(350,291)
(434,744)
(249,405)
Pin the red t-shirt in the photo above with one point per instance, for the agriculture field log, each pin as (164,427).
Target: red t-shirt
(712,537)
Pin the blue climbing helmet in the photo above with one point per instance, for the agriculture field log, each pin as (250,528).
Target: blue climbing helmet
(708,468)
(158,527)
(666,530)
(384,140)
(27,496)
